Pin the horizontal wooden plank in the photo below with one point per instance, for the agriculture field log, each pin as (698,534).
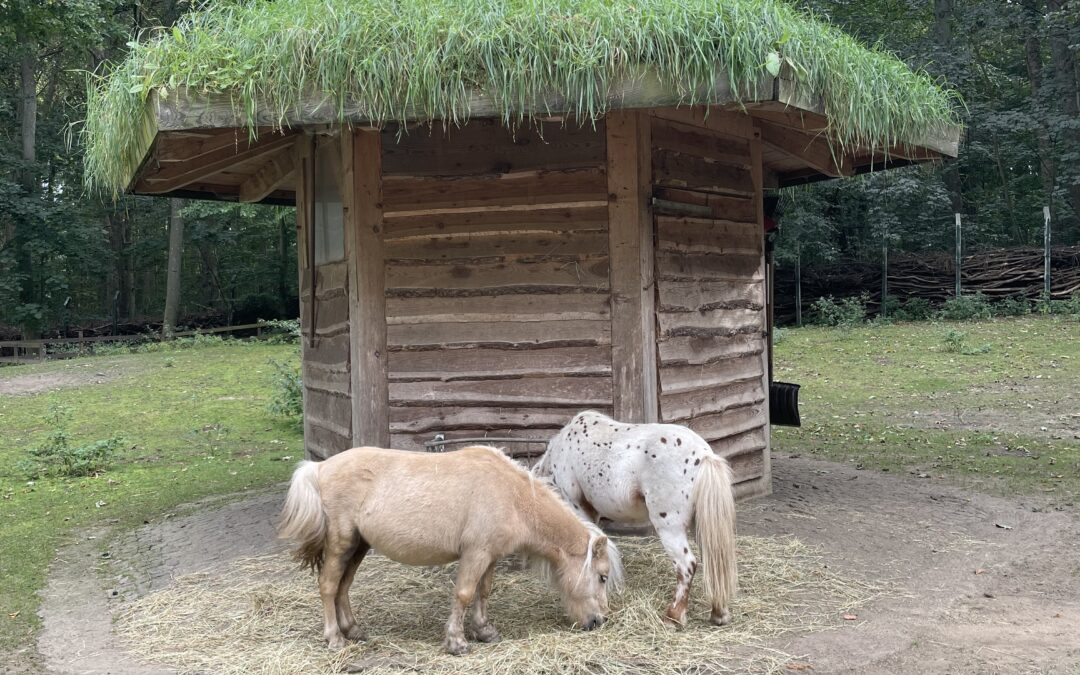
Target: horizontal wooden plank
(727,207)
(693,296)
(425,420)
(753,440)
(694,173)
(703,235)
(554,392)
(321,441)
(700,266)
(689,405)
(513,307)
(730,422)
(560,218)
(498,243)
(480,364)
(573,272)
(486,146)
(711,322)
(688,140)
(524,187)
(328,409)
(686,350)
(327,379)
(327,350)
(519,451)
(504,334)
(745,467)
(678,379)
(331,276)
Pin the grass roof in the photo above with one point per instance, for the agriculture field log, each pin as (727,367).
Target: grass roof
(429,56)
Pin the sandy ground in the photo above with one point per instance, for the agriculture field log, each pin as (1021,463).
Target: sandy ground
(979,584)
(77,373)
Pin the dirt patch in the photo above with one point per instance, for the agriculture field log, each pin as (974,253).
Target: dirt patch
(979,584)
(75,374)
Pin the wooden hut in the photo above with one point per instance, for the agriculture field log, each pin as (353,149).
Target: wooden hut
(492,256)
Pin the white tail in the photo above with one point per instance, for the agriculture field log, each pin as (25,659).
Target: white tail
(302,517)
(714,520)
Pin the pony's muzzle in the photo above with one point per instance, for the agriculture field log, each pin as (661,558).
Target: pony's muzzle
(593,622)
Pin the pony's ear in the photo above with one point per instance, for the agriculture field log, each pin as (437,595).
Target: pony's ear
(599,546)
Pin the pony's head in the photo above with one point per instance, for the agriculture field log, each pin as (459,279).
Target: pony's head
(584,579)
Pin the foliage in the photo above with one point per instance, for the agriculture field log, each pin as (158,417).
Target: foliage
(955,342)
(425,59)
(1011,306)
(914,309)
(844,313)
(287,399)
(57,456)
(966,308)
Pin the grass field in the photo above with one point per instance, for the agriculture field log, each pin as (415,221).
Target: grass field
(1002,417)
(1005,417)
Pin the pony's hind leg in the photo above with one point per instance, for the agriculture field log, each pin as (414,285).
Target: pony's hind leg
(482,628)
(346,618)
(673,537)
(471,569)
(336,557)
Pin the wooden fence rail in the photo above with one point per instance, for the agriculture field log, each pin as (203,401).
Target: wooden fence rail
(34,351)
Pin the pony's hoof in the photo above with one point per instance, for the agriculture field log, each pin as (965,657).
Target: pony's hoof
(487,633)
(456,646)
(355,632)
(722,618)
(675,619)
(337,642)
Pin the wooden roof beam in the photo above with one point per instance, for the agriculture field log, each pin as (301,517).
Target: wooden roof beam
(813,151)
(278,170)
(183,174)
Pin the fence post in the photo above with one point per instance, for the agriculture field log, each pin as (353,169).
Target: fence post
(798,284)
(1046,251)
(884,275)
(959,248)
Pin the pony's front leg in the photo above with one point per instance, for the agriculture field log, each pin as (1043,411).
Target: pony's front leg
(675,542)
(482,628)
(470,570)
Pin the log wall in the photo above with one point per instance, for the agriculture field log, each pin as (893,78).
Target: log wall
(710,294)
(326,349)
(497,293)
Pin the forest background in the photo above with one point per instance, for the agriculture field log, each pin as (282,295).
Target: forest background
(70,258)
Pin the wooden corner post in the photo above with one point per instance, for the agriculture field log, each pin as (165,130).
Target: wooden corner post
(632,271)
(757,170)
(362,202)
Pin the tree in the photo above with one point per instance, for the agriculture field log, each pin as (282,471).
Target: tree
(176,254)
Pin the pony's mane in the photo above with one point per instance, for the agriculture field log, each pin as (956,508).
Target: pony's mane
(542,566)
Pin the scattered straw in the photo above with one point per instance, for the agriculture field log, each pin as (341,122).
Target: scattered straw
(263,616)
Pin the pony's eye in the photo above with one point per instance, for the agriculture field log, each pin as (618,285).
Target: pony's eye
(603,578)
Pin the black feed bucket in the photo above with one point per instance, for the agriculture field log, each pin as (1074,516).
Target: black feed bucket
(784,404)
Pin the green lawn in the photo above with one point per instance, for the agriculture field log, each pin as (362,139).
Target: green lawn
(893,398)
(193,422)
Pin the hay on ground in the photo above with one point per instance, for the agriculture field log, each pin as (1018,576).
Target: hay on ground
(262,615)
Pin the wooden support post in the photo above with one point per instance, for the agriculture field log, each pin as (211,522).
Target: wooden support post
(884,275)
(632,271)
(1046,251)
(757,169)
(798,284)
(362,202)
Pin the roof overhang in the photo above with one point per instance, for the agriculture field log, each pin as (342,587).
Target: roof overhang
(204,146)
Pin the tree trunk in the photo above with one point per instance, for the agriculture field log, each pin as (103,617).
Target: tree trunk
(27,179)
(176,254)
(283,264)
(1034,60)
(943,39)
(1067,91)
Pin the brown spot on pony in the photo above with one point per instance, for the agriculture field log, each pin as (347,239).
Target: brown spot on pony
(474,505)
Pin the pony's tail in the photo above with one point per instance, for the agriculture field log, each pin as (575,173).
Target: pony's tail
(714,520)
(303,519)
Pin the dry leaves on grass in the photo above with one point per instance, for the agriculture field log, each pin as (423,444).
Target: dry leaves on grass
(261,615)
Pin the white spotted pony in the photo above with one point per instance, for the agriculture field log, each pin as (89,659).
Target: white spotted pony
(659,473)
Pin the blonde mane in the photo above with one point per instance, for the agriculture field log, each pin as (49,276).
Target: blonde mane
(543,567)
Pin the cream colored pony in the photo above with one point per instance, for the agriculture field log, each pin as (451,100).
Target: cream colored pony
(659,473)
(474,506)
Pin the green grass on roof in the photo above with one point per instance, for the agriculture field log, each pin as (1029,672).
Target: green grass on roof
(429,55)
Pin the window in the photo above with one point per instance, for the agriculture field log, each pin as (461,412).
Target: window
(329,213)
